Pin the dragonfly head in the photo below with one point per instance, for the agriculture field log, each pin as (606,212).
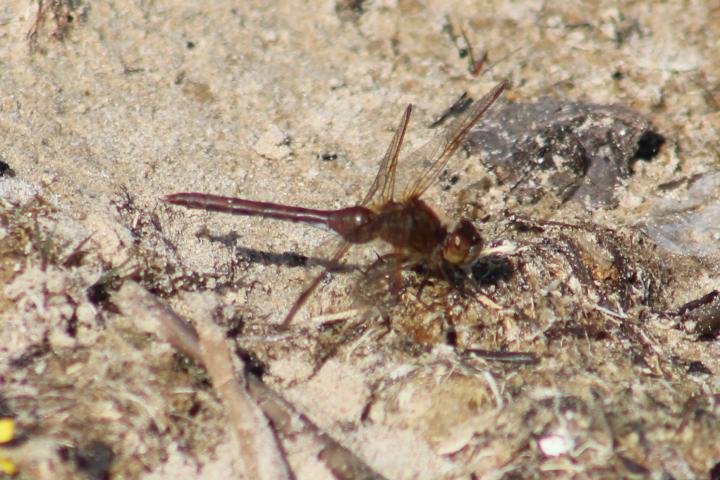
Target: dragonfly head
(462,245)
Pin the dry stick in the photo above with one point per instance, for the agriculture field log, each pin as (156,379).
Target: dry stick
(152,315)
(252,432)
(257,449)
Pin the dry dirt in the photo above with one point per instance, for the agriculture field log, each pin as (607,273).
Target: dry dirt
(107,106)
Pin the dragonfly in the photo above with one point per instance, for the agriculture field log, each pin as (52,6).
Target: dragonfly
(408,224)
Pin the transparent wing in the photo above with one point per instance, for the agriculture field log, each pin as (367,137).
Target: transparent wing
(385,178)
(432,157)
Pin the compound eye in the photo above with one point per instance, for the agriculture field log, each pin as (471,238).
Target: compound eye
(463,244)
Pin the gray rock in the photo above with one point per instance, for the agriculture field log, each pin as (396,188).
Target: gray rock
(575,150)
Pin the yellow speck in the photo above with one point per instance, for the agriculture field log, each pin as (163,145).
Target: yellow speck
(7,429)
(7,432)
(7,467)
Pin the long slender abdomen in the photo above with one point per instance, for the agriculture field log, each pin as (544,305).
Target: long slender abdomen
(354,224)
(239,206)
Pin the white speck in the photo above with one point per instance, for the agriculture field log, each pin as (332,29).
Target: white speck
(556,444)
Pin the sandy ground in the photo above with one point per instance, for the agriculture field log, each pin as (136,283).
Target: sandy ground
(107,106)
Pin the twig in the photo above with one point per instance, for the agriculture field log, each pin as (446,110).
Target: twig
(257,449)
(152,315)
(257,444)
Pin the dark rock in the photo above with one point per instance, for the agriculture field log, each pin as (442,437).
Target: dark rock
(574,150)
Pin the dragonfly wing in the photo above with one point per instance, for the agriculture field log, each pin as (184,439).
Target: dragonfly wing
(432,157)
(385,179)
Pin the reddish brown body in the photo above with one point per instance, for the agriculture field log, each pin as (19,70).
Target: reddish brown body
(408,225)
(411,227)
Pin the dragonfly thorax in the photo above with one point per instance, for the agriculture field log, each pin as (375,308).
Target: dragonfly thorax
(410,227)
